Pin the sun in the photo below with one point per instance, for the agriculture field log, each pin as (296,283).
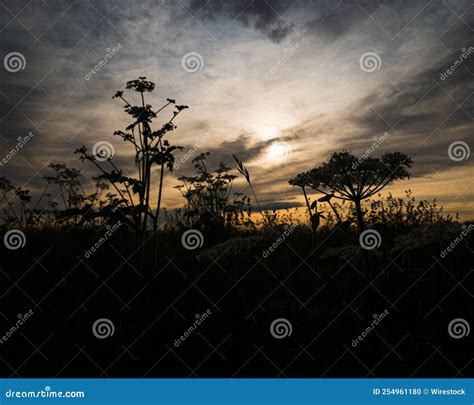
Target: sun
(279,152)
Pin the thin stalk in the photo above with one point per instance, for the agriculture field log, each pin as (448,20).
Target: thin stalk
(313,231)
(42,195)
(335,212)
(10,205)
(158,206)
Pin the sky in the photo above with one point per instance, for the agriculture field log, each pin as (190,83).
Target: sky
(282,84)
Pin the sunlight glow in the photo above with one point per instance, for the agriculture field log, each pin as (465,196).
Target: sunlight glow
(268,132)
(279,151)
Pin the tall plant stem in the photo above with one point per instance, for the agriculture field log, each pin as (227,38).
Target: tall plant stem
(335,212)
(157,214)
(361,228)
(313,231)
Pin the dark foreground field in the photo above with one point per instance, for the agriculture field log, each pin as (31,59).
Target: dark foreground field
(339,319)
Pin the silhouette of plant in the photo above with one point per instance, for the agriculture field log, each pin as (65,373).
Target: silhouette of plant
(66,202)
(347,178)
(267,217)
(209,199)
(6,189)
(151,149)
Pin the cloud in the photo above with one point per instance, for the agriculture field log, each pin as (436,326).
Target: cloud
(268,18)
(318,100)
(279,18)
(421,112)
(332,20)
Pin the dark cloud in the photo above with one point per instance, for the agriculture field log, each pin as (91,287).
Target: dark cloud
(327,20)
(241,146)
(266,17)
(331,20)
(422,113)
